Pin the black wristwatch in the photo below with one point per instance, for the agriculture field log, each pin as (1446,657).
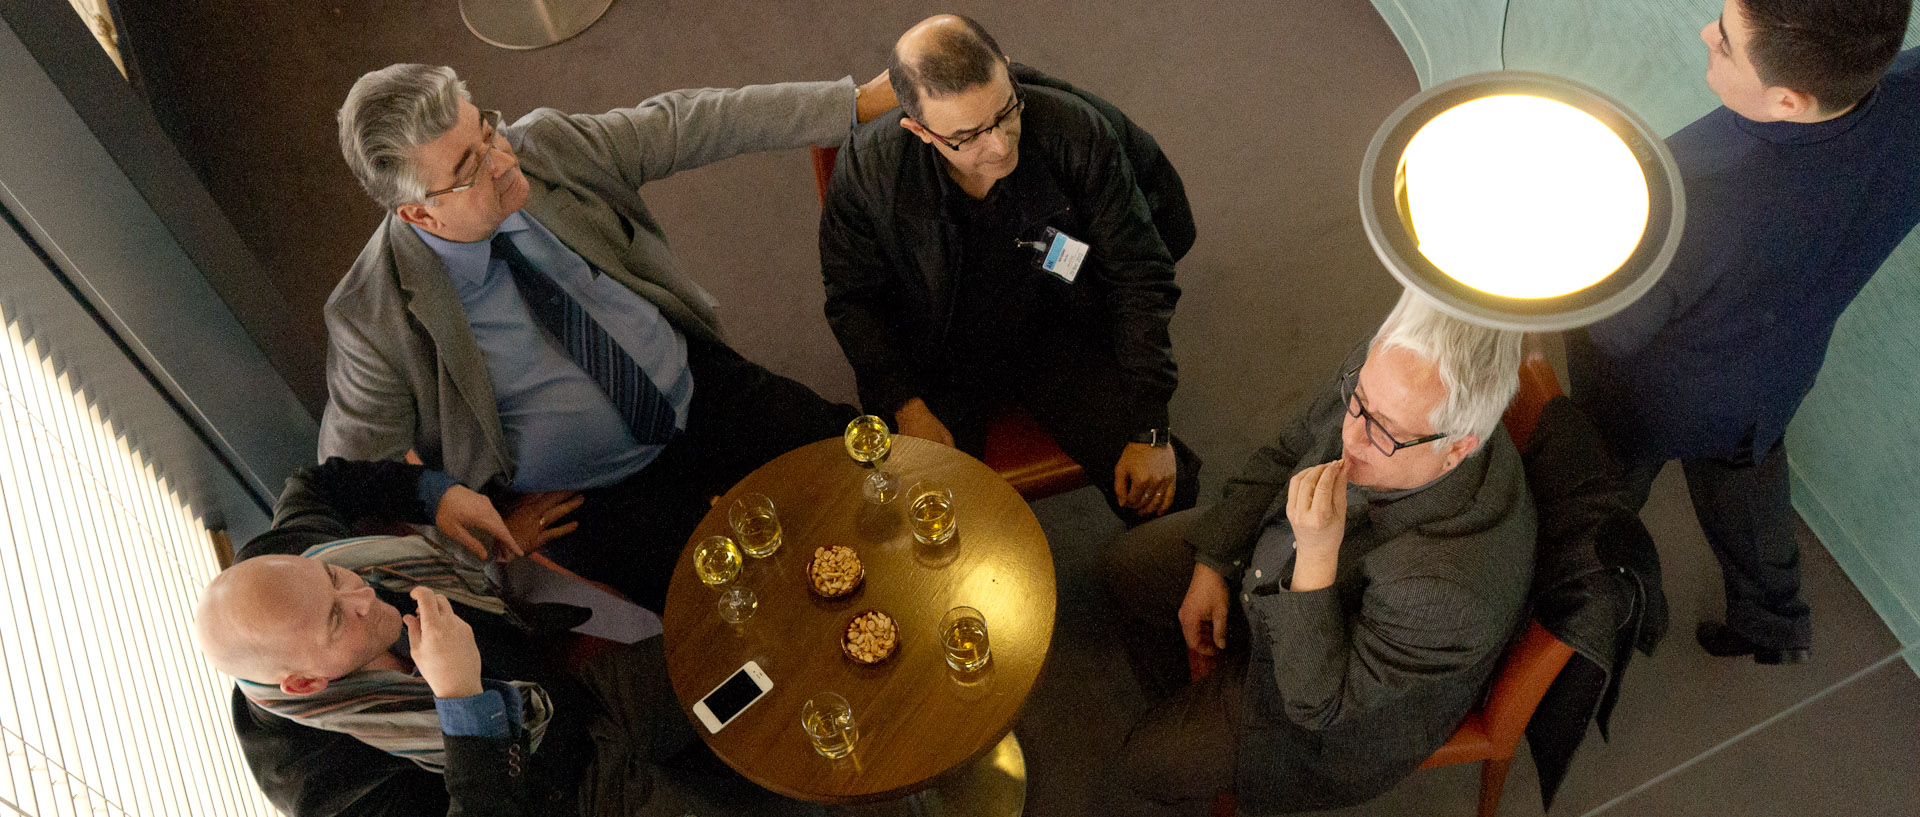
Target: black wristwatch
(1156,437)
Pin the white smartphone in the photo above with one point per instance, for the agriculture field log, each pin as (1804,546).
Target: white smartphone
(732,697)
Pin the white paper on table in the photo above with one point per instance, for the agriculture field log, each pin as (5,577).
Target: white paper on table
(614,618)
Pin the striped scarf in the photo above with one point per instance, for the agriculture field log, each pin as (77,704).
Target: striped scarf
(389,710)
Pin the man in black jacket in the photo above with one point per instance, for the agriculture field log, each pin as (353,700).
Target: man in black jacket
(991,242)
(328,709)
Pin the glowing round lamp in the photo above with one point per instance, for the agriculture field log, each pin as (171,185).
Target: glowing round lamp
(1521,201)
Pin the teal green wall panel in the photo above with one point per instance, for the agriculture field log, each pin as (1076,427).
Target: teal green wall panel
(1446,38)
(1854,448)
(1645,53)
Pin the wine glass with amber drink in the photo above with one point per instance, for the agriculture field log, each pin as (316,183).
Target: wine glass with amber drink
(716,560)
(868,443)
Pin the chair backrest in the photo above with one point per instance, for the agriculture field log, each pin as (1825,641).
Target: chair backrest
(1537,385)
(1525,673)
(823,159)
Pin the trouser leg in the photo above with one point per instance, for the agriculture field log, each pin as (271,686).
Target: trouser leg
(1747,513)
(1147,572)
(631,534)
(1638,478)
(1073,400)
(1181,756)
(641,727)
(744,416)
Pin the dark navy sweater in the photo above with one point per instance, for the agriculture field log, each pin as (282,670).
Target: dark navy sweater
(1785,223)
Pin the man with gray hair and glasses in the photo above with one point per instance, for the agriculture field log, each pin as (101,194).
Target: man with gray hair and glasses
(1361,577)
(519,323)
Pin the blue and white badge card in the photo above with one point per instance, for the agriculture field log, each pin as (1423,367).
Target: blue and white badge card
(1064,255)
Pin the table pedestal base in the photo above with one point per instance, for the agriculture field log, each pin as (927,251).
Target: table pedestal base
(527,24)
(994,786)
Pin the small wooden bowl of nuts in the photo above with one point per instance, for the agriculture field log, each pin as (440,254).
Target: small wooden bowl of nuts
(871,637)
(835,572)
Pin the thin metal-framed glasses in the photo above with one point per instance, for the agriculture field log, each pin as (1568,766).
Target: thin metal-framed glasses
(1014,107)
(490,119)
(1382,441)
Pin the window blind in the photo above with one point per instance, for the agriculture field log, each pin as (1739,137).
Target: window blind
(106,707)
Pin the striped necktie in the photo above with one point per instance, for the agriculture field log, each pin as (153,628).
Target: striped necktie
(633,393)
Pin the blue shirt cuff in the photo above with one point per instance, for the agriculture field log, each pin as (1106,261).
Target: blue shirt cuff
(480,716)
(433,485)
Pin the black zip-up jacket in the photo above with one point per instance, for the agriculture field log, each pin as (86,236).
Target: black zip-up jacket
(891,246)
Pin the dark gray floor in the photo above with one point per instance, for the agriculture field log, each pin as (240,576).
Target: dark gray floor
(1266,108)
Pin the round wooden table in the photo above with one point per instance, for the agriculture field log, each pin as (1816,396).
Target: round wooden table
(917,719)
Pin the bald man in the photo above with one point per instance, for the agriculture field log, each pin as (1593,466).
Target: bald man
(376,676)
(1007,238)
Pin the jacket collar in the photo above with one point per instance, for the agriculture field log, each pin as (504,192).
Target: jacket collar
(562,214)
(1031,187)
(1453,495)
(432,301)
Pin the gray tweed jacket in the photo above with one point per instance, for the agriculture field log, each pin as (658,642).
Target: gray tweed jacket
(403,370)
(1351,687)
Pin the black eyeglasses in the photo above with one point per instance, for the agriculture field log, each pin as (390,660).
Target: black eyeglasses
(491,121)
(1013,108)
(1382,441)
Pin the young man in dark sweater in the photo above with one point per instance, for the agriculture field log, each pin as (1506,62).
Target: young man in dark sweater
(1797,191)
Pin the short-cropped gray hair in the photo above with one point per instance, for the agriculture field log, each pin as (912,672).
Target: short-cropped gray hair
(1479,366)
(388,115)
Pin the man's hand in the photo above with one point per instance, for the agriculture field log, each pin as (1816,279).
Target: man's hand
(876,98)
(916,420)
(443,647)
(1206,603)
(1143,478)
(463,511)
(1317,509)
(535,519)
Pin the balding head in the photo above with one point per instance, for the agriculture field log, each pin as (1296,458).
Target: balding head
(940,56)
(293,622)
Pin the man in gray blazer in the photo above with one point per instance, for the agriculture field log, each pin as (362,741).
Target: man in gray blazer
(519,323)
(1379,552)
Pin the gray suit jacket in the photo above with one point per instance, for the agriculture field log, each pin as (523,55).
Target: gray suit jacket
(1351,687)
(403,370)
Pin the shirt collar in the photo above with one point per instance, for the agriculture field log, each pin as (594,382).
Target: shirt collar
(467,261)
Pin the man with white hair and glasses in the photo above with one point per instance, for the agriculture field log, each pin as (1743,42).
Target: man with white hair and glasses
(519,323)
(1361,576)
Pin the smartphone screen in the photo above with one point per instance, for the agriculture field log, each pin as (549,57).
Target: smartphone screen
(729,698)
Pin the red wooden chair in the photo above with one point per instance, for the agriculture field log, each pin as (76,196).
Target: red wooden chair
(1018,449)
(1491,732)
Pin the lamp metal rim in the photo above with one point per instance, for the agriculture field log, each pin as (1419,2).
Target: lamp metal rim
(1381,218)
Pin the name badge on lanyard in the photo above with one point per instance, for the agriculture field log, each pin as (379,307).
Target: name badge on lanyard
(1063,254)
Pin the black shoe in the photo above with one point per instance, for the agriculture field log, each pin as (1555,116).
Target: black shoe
(1720,641)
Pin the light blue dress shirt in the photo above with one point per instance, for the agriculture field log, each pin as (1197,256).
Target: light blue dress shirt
(562,430)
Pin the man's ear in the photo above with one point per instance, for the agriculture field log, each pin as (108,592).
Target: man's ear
(1791,105)
(916,129)
(1459,450)
(418,215)
(302,685)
